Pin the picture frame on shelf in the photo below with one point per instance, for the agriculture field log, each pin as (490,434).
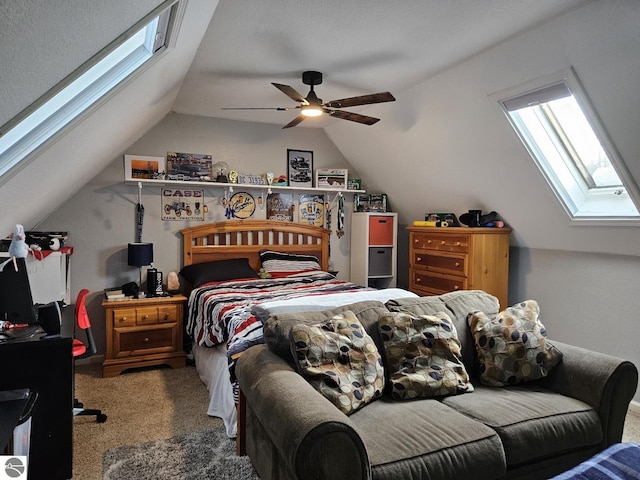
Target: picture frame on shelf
(332,178)
(354,184)
(141,167)
(189,166)
(300,168)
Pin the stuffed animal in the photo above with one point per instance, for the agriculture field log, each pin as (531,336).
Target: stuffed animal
(17,248)
(262,273)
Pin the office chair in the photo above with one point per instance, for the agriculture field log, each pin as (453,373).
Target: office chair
(82,350)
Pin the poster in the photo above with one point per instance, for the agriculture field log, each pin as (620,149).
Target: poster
(280,207)
(189,166)
(182,204)
(311,210)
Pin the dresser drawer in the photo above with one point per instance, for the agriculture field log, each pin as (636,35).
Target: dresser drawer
(445,243)
(146,315)
(437,262)
(137,341)
(124,317)
(438,282)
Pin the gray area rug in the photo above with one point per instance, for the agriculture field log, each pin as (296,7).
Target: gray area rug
(207,454)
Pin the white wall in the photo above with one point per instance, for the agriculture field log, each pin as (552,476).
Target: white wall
(101,217)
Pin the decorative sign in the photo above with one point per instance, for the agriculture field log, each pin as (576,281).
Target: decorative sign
(311,210)
(241,205)
(182,204)
(280,207)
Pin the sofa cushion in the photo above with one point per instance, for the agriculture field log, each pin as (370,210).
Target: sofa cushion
(340,360)
(277,327)
(458,304)
(512,348)
(422,356)
(426,439)
(533,423)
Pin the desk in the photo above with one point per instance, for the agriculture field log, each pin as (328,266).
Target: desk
(46,367)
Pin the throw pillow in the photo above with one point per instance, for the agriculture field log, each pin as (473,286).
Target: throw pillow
(218,271)
(340,360)
(513,347)
(280,264)
(423,355)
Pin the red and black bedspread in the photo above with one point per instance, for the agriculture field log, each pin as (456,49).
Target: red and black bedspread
(221,313)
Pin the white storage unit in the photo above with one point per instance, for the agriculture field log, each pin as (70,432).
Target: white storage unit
(374,251)
(48,275)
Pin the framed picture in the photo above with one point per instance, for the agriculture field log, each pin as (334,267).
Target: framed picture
(189,166)
(182,204)
(331,178)
(300,168)
(138,167)
(280,207)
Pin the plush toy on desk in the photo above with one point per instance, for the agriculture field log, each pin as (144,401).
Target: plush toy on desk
(17,248)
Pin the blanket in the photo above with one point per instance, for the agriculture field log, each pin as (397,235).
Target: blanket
(621,461)
(223,313)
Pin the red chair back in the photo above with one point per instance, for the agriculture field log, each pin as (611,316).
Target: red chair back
(82,317)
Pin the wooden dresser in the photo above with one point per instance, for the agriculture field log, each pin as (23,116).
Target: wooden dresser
(458,258)
(143,332)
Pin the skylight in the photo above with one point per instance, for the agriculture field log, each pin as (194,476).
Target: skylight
(561,132)
(77,93)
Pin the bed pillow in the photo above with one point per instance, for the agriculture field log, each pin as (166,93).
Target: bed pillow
(513,347)
(340,360)
(280,264)
(422,356)
(218,271)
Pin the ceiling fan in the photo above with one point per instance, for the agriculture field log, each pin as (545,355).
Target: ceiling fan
(312,106)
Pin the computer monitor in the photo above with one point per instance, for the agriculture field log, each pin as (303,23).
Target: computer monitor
(16,303)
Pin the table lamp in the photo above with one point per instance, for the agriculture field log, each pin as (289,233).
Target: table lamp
(140,255)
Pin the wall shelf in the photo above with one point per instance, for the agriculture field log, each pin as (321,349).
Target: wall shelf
(244,186)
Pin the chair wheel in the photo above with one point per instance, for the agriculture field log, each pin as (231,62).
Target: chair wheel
(101,418)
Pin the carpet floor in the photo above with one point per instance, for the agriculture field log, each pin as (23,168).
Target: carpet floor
(142,405)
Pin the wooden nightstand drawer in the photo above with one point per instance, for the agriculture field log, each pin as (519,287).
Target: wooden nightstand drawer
(143,332)
(146,315)
(138,341)
(123,317)
(455,264)
(445,243)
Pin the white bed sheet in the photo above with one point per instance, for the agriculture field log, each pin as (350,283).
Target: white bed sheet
(213,368)
(212,364)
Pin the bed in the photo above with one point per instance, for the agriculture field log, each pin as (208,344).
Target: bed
(228,301)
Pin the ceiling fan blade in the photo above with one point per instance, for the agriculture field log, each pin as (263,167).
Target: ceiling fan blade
(290,92)
(295,121)
(380,97)
(280,109)
(354,117)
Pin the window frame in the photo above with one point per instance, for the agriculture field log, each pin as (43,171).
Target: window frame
(32,140)
(583,205)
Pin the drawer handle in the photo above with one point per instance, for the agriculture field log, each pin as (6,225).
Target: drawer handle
(418,259)
(145,317)
(442,242)
(457,244)
(146,339)
(457,264)
(123,319)
(418,280)
(166,316)
(429,242)
(456,287)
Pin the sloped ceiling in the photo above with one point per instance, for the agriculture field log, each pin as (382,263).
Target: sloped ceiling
(360,46)
(440,146)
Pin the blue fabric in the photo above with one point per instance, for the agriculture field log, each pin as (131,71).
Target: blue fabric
(620,461)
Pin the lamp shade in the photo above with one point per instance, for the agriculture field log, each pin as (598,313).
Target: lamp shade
(140,254)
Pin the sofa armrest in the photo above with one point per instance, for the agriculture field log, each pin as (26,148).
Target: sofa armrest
(307,430)
(605,382)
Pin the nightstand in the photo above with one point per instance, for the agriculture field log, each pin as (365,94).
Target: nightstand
(143,332)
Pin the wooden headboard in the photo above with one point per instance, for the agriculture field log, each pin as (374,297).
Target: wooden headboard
(246,238)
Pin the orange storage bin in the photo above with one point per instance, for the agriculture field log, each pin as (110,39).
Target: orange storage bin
(381,230)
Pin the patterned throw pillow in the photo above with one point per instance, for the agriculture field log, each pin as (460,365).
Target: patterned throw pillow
(512,348)
(340,360)
(280,264)
(423,355)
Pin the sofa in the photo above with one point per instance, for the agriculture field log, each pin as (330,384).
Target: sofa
(531,429)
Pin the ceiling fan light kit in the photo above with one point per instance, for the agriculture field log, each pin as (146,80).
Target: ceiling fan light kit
(312,106)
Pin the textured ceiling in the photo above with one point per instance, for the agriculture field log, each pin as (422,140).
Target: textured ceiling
(361,46)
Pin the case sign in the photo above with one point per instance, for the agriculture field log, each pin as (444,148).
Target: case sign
(182,204)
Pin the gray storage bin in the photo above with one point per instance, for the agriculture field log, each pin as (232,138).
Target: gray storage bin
(380,261)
